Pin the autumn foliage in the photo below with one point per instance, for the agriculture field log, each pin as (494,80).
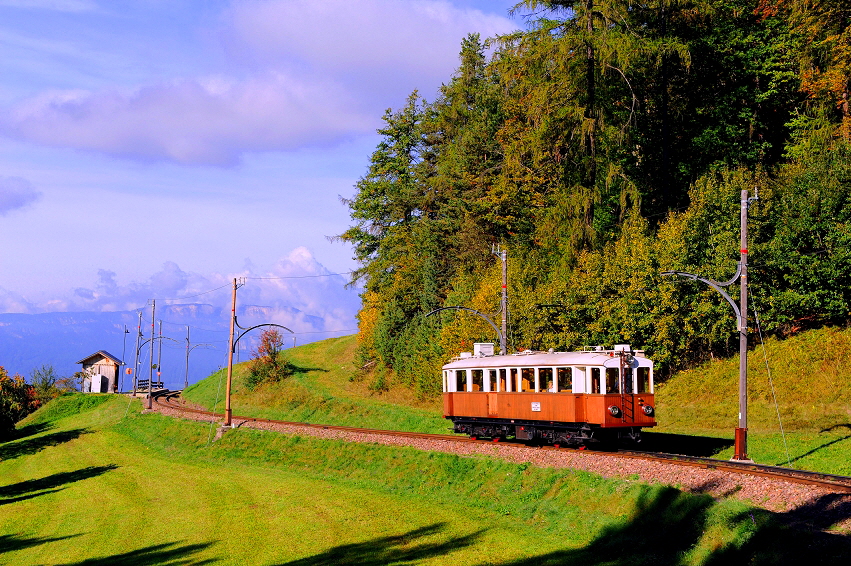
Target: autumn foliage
(267,364)
(17,400)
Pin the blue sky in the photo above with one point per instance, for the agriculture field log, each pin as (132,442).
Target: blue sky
(209,139)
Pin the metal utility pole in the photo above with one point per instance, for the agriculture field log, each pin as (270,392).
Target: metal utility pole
(186,379)
(160,354)
(151,365)
(503,303)
(741,438)
(123,355)
(136,362)
(230,357)
(741,310)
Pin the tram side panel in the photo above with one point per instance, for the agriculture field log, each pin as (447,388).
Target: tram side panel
(551,407)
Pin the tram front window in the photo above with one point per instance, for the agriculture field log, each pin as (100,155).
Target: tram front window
(595,380)
(460,380)
(643,380)
(612,375)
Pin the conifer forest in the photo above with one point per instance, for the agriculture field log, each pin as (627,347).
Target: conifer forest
(603,143)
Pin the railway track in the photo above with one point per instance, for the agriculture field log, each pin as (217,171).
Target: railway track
(835,483)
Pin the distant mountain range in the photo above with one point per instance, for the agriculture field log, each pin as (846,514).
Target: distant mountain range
(61,339)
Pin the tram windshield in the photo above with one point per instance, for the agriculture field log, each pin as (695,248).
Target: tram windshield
(643,380)
(612,375)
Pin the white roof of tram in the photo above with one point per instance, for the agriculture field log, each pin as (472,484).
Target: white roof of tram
(547,359)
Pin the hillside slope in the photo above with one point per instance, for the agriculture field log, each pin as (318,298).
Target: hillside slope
(812,385)
(325,390)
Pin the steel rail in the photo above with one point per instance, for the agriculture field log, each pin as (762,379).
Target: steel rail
(831,481)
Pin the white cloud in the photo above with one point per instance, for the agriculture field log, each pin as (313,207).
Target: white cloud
(211,120)
(302,73)
(16,193)
(393,36)
(297,292)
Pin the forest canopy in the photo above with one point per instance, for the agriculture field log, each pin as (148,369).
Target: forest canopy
(605,142)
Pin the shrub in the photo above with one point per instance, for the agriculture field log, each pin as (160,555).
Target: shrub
(17,400)
(267,364)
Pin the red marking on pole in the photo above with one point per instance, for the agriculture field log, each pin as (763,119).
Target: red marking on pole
(744,251)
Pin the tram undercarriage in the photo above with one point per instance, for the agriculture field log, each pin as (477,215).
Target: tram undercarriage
(555,433)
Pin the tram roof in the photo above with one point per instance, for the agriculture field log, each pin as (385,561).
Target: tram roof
(546,359)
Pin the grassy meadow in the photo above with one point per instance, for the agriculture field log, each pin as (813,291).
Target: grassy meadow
(92,479)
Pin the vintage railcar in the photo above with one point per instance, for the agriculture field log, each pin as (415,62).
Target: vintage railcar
(562,398)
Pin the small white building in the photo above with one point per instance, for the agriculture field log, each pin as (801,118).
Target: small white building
(103,370)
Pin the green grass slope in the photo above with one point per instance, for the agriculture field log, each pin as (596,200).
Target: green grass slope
(91,480)
(812,386)
(697,409)
(323,390)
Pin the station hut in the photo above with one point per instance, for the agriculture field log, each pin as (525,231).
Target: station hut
(103,370)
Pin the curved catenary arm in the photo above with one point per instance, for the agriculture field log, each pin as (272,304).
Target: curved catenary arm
(247,330)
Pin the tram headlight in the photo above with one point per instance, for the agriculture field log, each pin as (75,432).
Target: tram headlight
(648,410)
(615,411)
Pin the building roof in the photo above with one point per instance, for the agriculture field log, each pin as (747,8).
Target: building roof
(103,354)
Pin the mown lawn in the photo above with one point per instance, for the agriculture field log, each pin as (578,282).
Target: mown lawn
(111,485)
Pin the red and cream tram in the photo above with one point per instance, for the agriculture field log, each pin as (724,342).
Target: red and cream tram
(564,398)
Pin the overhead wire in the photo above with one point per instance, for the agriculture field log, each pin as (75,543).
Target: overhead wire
(770,380)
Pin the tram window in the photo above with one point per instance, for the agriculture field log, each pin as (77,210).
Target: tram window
(527,377)
(612,375)
(627,380)
(460,380)
(478,380)
(564,379)
(595,380)
(501,378)
(545,375)
(643,380)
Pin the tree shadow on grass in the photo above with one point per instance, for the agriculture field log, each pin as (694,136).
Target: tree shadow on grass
(27,430)
(397,549)
(16,448)
(166,553)
(685,444)
(794,537)
(666,524)
(28,489)
(824,445)
(12,543)
(298,369)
